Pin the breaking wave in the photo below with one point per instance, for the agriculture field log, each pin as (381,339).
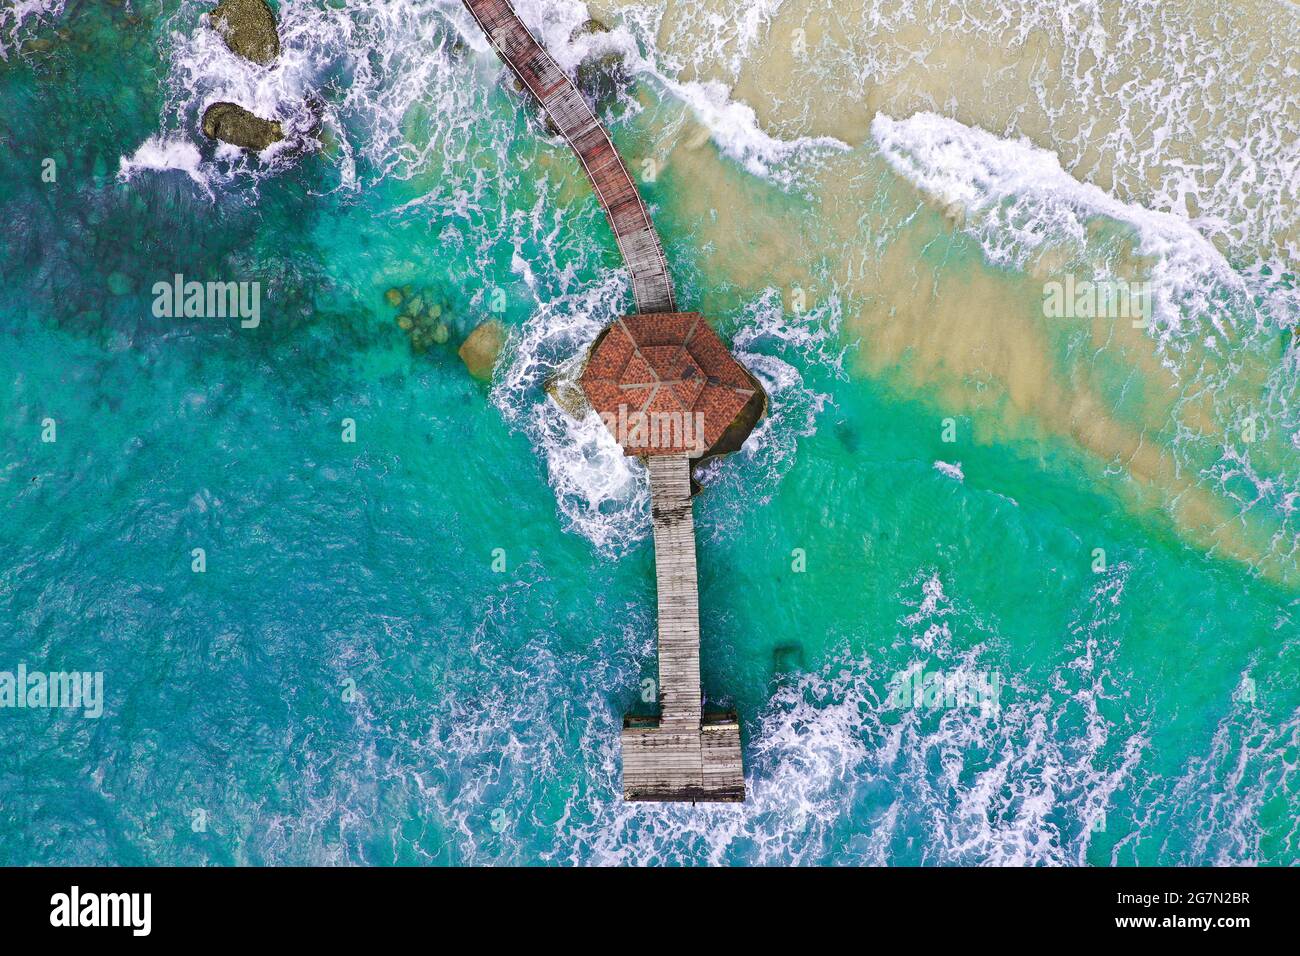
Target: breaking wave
(348,80)
(837,772)
(1017,200)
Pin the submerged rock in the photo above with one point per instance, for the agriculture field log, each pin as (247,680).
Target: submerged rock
(565,389)
(420,316)
(248,27)
(480,351)
(235,125)
(567,394)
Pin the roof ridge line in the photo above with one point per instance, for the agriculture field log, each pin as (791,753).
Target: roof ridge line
(618,372)
(654,390)
(636,350)
(690,334)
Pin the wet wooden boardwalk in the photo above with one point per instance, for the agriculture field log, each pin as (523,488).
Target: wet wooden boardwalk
(652,286)
(678,590)
(685,754)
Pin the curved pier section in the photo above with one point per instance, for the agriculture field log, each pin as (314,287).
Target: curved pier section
(652,287)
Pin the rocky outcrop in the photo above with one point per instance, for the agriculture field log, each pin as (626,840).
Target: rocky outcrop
(565,389)
(235,125)
(420,316)
(248,27)
(481,350)
(600,78)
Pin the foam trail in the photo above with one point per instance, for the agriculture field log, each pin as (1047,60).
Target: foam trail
(1016,199)
(602,494)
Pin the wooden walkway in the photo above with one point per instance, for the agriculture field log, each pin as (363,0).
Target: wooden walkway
(685,754)
(679,597)
(652,286)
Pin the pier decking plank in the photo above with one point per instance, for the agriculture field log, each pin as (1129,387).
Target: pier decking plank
(679,602)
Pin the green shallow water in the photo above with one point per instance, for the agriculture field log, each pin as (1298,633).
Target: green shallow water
(351,680)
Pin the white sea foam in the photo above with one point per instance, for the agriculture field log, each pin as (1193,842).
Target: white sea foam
(159,154)
(735,128)
(369,69)
(359,71)
(950,469)
(355,72)
(1210,815)
(1026,787)
(602,494)
(1119,89)
(1016,200)
(204,71)
(517,720)
(774,346)
(518,760)
(733,124)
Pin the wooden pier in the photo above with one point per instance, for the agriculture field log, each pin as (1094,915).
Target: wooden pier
(652,286)
(683,753)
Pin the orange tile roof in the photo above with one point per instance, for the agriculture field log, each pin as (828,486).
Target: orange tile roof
(664,383)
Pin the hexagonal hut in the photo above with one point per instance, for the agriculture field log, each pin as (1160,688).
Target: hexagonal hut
(669,391)
(664,384)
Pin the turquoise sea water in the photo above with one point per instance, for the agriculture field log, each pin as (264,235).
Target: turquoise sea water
(351,681)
